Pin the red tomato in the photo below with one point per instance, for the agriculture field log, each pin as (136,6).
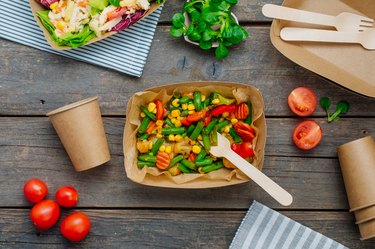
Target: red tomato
(116,13)
(302,101)
(45,214)
(67,196)
(307,135)
(35,190)
(244,149)
(75,227)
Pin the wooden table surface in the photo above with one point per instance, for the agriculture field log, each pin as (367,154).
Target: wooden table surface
(128,215)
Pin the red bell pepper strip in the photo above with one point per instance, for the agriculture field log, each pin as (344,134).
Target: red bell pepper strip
(159,110)
(192,157)
(196,116)
(223,108)
(185,122)
(207,120)
(151,127)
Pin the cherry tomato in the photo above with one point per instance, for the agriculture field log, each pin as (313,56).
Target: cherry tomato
(35,190)
(302,101)
(116,13)
(75,227)
(45,214)
(244,149)
(307,135)
(67,196)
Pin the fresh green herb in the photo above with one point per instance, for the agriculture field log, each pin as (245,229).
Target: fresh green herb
(211,22)
(325,103)
(341,108)
(114,2)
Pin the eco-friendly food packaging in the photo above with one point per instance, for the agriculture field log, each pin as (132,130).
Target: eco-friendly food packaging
(81,131)
(349,65)
(365,214)
(367,230)
(222,177)
(35,7)
(357,161)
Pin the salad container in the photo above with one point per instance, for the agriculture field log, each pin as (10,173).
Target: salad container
(152,176)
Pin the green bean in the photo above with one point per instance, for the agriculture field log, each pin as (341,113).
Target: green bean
(169,122)
(143,136)
(148,114)
(204,162)
(221,125)
(249,118)
(184,113)
(190,130)
(197,101)
(188,164)
(147,158)
(183,169)
(197,130)
(143,127)
(235,136)
(156,146)
(206,141)
(211,125)
(173,131)
(148,164)
(211,167)
(200,156)
(214,136)
(184,100)
(175,160)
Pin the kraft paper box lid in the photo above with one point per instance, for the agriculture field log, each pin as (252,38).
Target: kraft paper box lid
(349,65)
(35,7)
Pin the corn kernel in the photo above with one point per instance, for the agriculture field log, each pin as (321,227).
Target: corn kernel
(54,5)
(159,135)
(191,112)
(151,107)
(171,137)
(215,101)
(203,98)
(60,25)
(154,111)
(196,149)
(184,106)
(187,139)
(159,123)
(191,107)
(175,113)
(175,103)
(199,137)
(225,114)
(170,116)
(168,149)
(162,148)
(180,118)
(227,129)
(192,142)
(178,138)
(150,145)
(173,120)
(234,121)
(143,114)
(177,123)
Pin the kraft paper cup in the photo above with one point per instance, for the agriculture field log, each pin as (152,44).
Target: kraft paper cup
(357,161)
(81,131)
(365,214)
(367,230)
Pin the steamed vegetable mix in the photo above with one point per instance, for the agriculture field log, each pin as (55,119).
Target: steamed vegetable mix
(211,22)
(75,22)
(177,136)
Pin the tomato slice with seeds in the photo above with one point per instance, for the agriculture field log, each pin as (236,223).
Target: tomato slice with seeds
(302,101)
(307,135)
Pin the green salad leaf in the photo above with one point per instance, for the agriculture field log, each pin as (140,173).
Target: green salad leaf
(43,17)
(115,2)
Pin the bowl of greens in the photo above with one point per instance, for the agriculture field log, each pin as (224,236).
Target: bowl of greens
(209,24)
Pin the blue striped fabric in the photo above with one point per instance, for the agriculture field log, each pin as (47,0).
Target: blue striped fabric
(125,52)
(263,228)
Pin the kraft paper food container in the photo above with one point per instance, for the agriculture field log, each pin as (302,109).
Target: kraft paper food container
(349,65)
(35,7)
(223,177)
(81,131)
(365,214)
(367,230)
(357,161)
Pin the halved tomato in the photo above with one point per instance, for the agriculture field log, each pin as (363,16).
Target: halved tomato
(307,135)
(302,101)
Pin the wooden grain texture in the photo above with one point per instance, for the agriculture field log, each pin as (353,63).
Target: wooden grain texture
(33,82)
(165,229)
(30,148)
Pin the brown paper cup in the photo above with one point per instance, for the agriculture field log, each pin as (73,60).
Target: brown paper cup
(81,131)
(365,214)
(357,161)
(367,230)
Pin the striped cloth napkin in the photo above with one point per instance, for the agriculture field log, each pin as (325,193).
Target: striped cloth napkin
(125,52)
(264,228)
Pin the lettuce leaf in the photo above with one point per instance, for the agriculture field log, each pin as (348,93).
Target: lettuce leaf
(43,17)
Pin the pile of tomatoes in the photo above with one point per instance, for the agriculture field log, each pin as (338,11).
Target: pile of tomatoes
(45,213)
(307,134)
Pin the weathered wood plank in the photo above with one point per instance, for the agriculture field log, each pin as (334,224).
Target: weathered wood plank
(165,229)
(30,148)
(33,82)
